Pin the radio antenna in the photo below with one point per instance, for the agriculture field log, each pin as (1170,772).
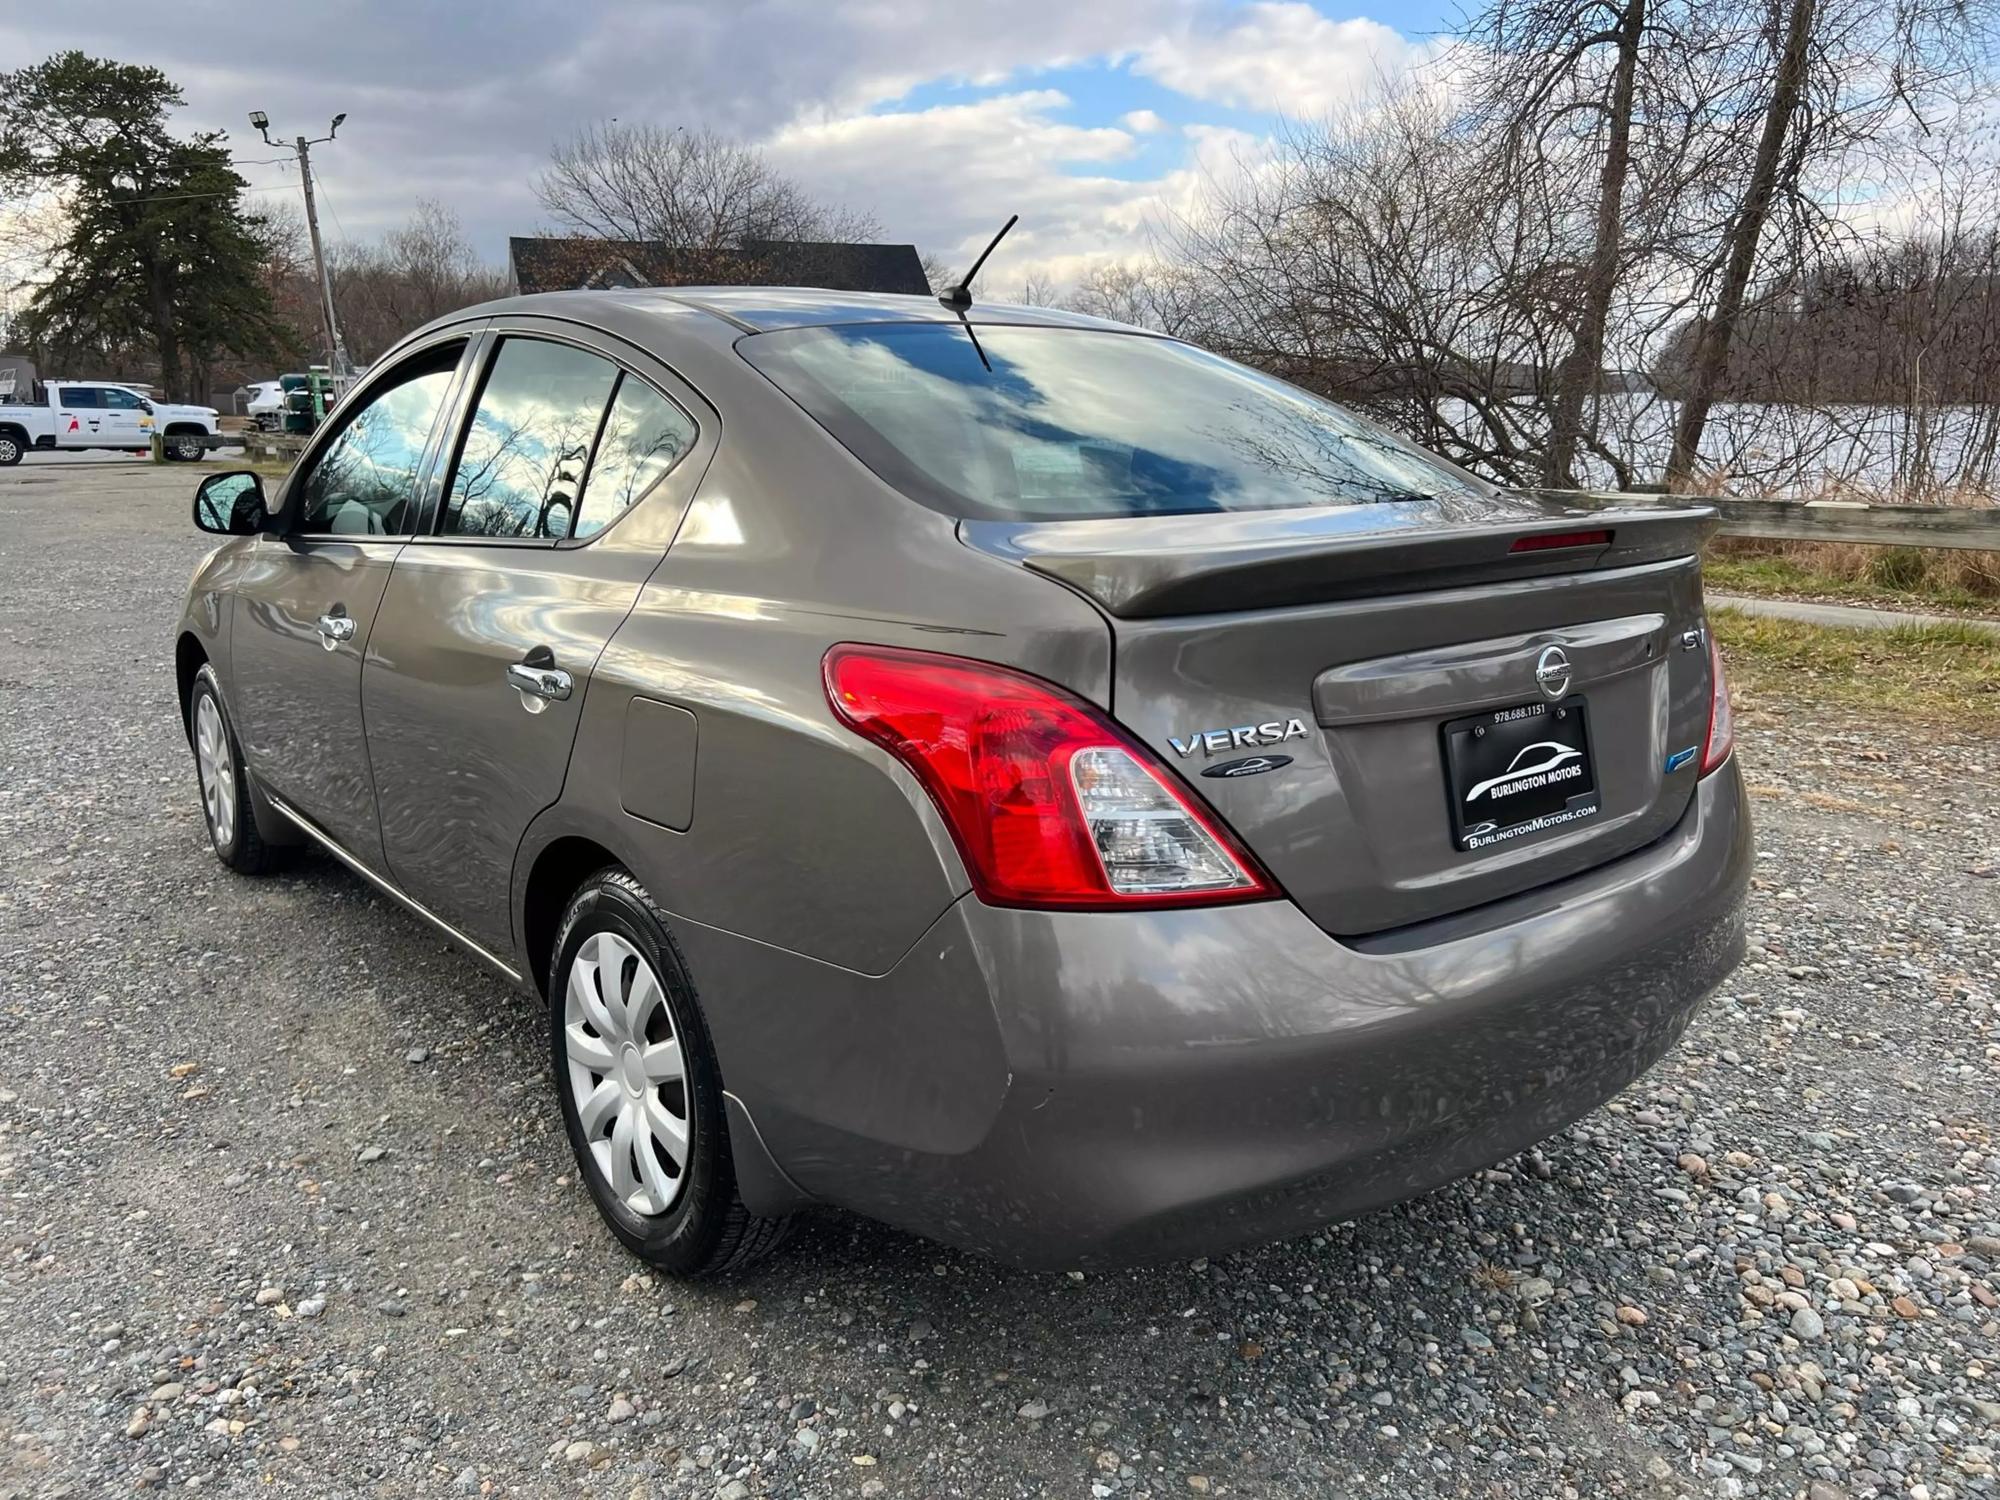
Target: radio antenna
(959,297)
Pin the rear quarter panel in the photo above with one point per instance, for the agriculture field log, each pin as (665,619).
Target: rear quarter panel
(811,862)
(802,836)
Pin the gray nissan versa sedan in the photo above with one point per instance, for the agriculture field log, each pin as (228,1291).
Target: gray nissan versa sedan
(1021,778)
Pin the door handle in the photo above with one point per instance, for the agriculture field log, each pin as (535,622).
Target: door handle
(539,686)
(333,629)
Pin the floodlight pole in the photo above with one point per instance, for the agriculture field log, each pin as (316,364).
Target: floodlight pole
(337,359)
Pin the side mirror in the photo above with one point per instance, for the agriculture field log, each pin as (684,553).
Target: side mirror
(231,504)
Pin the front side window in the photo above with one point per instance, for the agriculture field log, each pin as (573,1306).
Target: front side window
(1056,424)
(81,398)
(121,400)
(644,436)
(365,482)
(528,447)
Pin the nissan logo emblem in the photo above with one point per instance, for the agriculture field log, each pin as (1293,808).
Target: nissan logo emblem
(1552,672)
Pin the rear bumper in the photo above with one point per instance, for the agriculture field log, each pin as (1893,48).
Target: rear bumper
(1156,1085)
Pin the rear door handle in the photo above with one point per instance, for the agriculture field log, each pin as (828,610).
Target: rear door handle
(539,685)
(333,629)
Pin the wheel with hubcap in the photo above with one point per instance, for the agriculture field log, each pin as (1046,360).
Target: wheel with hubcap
(184,446)
(640,1089)
(11,450)
(225,795)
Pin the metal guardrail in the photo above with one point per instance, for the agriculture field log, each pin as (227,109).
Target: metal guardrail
(1967,527)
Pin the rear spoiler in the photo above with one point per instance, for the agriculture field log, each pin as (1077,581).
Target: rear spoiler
(1141,566)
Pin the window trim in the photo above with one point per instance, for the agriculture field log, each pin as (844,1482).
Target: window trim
(357,400)
(577,337)
(596,451)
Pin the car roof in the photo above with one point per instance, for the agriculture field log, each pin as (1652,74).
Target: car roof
(766,309)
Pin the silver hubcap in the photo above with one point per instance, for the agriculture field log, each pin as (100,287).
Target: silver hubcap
(9,450)
(626,1073)
(218,776)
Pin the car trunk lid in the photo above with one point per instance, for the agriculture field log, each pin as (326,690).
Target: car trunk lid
(1355,689)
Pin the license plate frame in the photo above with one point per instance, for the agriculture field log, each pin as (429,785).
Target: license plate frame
(1517,772)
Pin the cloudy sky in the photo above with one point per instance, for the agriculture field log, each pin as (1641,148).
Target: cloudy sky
(940,117)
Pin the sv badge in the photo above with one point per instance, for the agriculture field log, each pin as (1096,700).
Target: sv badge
(1241,737)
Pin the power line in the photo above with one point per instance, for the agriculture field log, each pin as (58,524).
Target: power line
(331,207)
(282,187)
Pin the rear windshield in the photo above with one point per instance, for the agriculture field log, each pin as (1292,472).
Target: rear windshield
(1056,424)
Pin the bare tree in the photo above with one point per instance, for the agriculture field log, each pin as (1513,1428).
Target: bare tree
(936,271)
(692,189)
(1150,293)
(419,271)
(1621,114)
(1038,290)
(1368,258)
(1545,70)
(1828,78)
(434,267)
(1876,365)
(1498,267)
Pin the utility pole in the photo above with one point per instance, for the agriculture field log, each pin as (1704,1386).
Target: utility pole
(337,359)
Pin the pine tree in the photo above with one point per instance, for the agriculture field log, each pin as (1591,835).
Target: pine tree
(158,246)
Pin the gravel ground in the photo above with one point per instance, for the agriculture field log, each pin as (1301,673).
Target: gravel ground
(284,1201)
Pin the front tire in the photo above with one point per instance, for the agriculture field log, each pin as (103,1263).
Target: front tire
(184,447)
(641,1092)
(225,791)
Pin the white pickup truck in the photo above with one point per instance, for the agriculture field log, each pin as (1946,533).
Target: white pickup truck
(70,414)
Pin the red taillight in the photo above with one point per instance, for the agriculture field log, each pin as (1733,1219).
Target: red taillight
(1548,541)
(1721,721)
(1050,803)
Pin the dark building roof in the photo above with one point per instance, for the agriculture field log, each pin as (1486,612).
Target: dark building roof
(577,264)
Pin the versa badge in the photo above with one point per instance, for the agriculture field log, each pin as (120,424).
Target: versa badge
(1242,737)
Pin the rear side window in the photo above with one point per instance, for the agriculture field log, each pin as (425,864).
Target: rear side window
(525,454)
(644,436)
(79,398)
(1059,424)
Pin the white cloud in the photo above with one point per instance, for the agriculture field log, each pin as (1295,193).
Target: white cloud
(461,105)
(1275,55)
(961,169)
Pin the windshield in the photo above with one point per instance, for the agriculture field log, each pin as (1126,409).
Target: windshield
(1053,424)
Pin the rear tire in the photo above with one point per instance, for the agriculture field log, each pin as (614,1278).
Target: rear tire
(225,789)
(636,1074)
(12,450)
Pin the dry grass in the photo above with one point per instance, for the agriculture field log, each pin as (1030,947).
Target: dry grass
(1941,674)
(1922,577)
